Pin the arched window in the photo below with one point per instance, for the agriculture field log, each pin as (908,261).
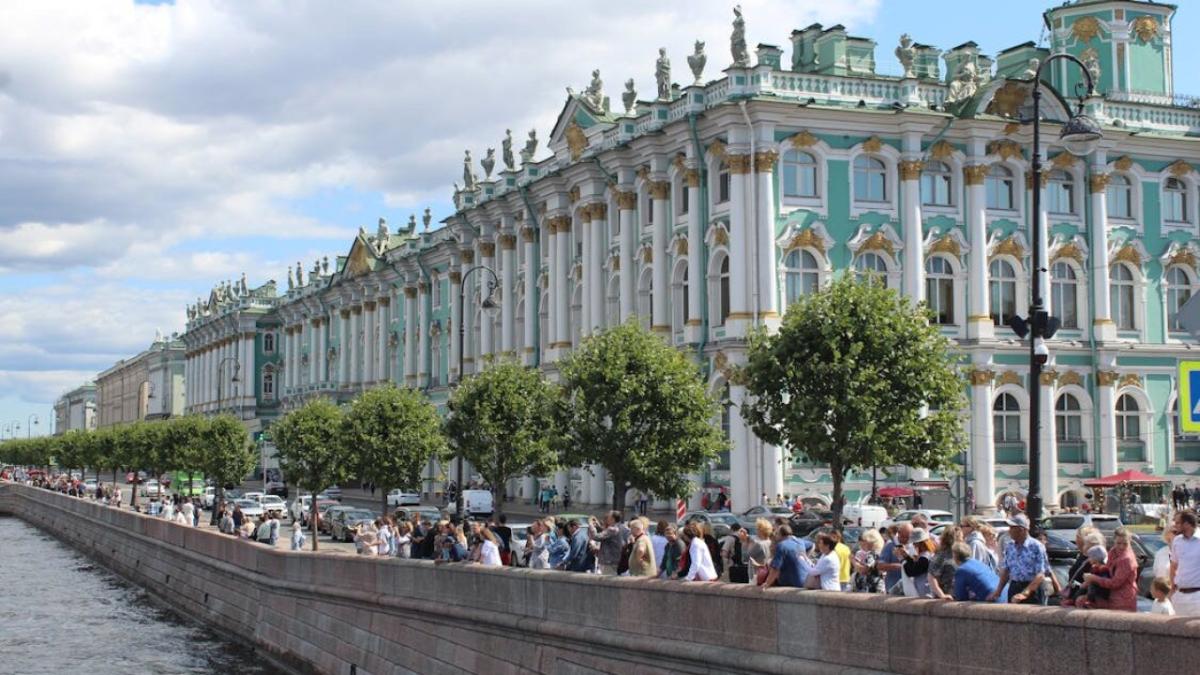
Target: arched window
(723,291)
(870,179)
(613,305)
(1121,290)
(268,385)
(644,293)
(1060,192)
(1119,196)
(935,184)
(1179,289)
(722,183)
(872,266)
(1175,201)
(1068,419)
(1003,291)
(679,303)
(268,343)
(801,274)
(999,187)
(1129,422)
(939,289)
(799,174)
(1006,419)
(1064,300)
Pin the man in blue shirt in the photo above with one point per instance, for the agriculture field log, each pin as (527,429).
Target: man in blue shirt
(973,580)
(790,565)
(1025,565)
(889,562)
(580,557)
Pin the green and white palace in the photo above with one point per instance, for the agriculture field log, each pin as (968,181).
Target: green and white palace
(705,208)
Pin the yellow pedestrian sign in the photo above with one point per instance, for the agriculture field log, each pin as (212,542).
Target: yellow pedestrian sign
(1189,396)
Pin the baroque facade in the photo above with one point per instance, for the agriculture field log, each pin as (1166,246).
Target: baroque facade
(148,386)
(704,212)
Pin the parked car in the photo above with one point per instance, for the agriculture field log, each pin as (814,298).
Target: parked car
(333,492)
(808,520)
(322,504)
(250,508)
(325,515)
(520,531)
(256,496)
(865,515)
(90,485)
(400,497)
(1065,524)
(209,498)
(478,503)
(932,515)
(149,487)
(752,514)
(414,513)
(273,504)
(343,521)
(850,535)
(721,521)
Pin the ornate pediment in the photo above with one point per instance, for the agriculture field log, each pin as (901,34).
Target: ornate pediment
(951,243)
(883,239)
(1013,245)
(361,260)
(579,124)
(1074,248)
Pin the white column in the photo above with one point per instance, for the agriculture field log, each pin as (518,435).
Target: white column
(597,481)
(344,348)
(423,334)
(1048,460)
(316,350)
(508,305)
(660,294)
(1043,247)
(1106,459)
(455,314)
(356,377)
(562,306)
(250,368)
(768,278)
(696,276)
(410,336)
(740,480)
(562,482)
(468,261)
(626,203)
(584,217)
(983,452)
(597,284)
(382,327)
(739,168)
(979,320)
(369,376)
(1102,324)
(529,488)
(910,222)
(532,301)
(487,257)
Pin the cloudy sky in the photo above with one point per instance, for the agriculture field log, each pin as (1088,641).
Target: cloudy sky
(150,150)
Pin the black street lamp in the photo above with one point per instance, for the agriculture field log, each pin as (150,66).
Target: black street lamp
(30,423)
(489,305)
(1079,136)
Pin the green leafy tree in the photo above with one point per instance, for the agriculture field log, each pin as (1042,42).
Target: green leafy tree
(311,451)
(217,446)
(856,377)
(502,421)
(73,450)
(640,409)
(393,433)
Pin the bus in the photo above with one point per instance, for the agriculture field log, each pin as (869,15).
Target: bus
(188,483)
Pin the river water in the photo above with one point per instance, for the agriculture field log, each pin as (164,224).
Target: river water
(62,613)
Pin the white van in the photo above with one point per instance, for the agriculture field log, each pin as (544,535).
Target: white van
(865,515)
(478,502)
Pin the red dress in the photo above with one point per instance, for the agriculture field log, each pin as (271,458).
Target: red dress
(1121,582)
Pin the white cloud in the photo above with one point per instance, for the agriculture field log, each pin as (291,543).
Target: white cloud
(132,136)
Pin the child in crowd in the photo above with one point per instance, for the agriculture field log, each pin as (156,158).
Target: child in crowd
(1160,588)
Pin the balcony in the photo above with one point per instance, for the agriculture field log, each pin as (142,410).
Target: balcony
(1131,451)
(1008,452)
(1072,452)
(1187,449)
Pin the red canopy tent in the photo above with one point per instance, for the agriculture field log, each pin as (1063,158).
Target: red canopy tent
(1129,476)
(890,492)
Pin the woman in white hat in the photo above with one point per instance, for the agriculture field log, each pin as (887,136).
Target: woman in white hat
(916,557)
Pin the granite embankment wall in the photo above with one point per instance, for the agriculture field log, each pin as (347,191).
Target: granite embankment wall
(318,613)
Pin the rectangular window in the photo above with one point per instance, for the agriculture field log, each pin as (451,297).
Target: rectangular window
(684,192)
(1121,299)
(723,186)
(1062,303)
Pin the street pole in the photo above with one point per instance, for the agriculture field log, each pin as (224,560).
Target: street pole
(1084,131)
(31,422)
(488,303)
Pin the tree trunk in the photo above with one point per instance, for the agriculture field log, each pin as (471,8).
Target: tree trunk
(619,490)
(383,502)
(498,488)
(836,473)
(312,516)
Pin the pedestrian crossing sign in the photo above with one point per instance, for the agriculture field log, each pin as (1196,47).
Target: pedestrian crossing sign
(1189,396)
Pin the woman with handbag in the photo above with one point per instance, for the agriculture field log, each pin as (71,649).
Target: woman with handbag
(760,550)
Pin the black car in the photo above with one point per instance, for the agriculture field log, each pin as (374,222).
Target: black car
(808,520)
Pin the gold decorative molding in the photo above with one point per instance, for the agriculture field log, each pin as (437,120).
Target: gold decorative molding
(1044,176)
(975,174)
(764,161)
(585,213)
(1179,168)
(941,150)
(385,301)
(1146,28)
(1005,148)
(643,172)
(981,377)
(487,249)
(1124,163)
(1011,128)
(680,162)
(1107,378)
(1070,378)
(1009,246)
(738,164)
(1048,377)
(872,144)
(802,140)
(910,169)
(626,200)
(1063,160)
(1098,182)
(659,189)
(878,242)
(573,194)
(1068,250)
(369,305)
(721,237)
(468,256)
(528,235)
(1128,254)
(614,263)
(648,255)
(717,148)
(422,286)
(946,244)
(1085,28)
(1007,100)
(1183,256)
(577,141)
(727,370)
(807,238)
(409,292)
(1130,380)
(1010,377)
(691,178)
(599,211)
(681,246)
(456,278)
(508,242)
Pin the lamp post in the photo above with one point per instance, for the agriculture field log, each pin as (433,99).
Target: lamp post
(1079,136)
(488,304)
(12,428)
(30,423)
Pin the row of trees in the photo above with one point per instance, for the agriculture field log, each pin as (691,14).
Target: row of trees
(217,446)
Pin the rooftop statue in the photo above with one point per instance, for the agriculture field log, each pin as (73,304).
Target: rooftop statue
(427,218)
(530,147)
(469,178)
(1031,69)
(291,280)
(629,98)
(381,233)
(488,163)
(325,265)
(697,60)
(594,94)
(662,75)
(506,150)
(737,41)
(299,274)
(905,53)
(965,84)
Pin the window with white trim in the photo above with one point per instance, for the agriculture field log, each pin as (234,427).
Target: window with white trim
(1129,421)
(1060,193)
(1179,290)
(872,266)
(1068,419)
(1119,196)
(802,274)
(1175,201)
(1000,188)
(799,174)
(1006,419)
(1002,287)
(939,289)
(1120,297)
(936,180)
(870,179)
(1064,298)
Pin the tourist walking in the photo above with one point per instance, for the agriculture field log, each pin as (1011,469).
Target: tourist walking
(642,562)
(1185,565)
(760,551)
(700,558)
(1024,566)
